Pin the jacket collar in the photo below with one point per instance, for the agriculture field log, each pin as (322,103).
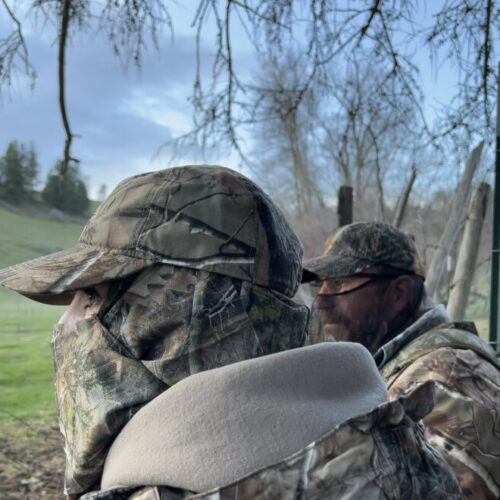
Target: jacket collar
(430,319)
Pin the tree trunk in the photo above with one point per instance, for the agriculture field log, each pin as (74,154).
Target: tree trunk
(400,210)
(464,270)
(455,220)
(344,207)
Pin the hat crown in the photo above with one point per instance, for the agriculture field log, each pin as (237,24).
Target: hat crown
(375,243)
(201,217)
(357,247)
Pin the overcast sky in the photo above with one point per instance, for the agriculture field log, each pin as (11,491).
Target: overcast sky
(121,118)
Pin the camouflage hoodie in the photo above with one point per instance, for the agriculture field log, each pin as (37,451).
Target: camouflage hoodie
(379,455)
(465,422)
(156,328)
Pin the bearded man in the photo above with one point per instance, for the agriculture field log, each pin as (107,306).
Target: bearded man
(372,292)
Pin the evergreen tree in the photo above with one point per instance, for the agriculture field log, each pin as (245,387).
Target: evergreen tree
(66,192)
(18,173)
(30,167)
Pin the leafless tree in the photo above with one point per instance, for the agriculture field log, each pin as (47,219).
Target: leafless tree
(465,33)
(461,32)
(324,32)
(284,121)
(368,132)
(129,25)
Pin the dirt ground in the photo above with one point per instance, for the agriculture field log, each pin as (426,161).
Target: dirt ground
(31,462)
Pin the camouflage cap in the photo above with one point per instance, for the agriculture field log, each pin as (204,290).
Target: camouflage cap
(199,217)
(357,247)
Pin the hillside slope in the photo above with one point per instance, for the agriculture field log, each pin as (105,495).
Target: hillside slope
(25,237)
(26,380)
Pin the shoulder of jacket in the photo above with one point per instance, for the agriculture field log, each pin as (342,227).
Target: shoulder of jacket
(444,336)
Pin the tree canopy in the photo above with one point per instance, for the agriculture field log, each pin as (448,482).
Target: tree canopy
(18,172)
(66,192)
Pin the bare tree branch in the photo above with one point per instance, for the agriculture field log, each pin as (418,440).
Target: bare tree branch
(373,12)
(63,35)
(487,52)
(14,47)
(326,33)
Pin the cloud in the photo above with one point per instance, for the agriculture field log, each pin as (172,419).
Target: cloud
(161,109)
(120,117)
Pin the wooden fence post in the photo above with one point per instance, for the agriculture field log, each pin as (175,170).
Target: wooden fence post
(400,210)
(344,207)
(455,220)
(467,256)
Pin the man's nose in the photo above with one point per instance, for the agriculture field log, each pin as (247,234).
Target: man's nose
(323,301)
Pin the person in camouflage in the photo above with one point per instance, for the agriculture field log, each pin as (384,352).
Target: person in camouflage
(192,269)
(372,291)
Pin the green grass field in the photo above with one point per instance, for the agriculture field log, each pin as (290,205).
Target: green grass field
(26,383)
(23,237)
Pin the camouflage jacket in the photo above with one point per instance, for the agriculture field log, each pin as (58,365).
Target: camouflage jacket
(381,454)
(465,422)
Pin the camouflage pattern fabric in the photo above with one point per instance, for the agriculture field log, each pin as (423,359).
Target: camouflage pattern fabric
(358,247)
(381,454)
(465,422)
(155,329)
(200,217)
(431,319)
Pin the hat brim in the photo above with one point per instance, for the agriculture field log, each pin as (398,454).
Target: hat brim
(54,278)
(328,266)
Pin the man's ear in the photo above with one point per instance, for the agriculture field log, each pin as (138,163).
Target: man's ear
(401,294)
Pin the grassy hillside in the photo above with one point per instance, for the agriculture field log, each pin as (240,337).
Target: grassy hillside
(25,237)
(26,382)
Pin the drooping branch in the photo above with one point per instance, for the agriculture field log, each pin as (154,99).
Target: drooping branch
(130,23)
(12,48)
(327,33)
(63,36)
(463,33)
(373,12)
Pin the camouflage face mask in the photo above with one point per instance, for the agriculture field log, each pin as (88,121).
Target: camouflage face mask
(92,405)
(167,323)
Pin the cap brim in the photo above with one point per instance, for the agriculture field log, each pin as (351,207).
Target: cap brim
(54,278)
(328,266)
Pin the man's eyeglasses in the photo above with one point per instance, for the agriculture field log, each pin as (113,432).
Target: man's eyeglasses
(344,286)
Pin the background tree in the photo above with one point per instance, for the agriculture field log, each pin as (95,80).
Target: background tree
(102,192)
(352,135)
(30,167)
(367,134)
(66,192)
(324,32)
(18,173)
(283,159)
